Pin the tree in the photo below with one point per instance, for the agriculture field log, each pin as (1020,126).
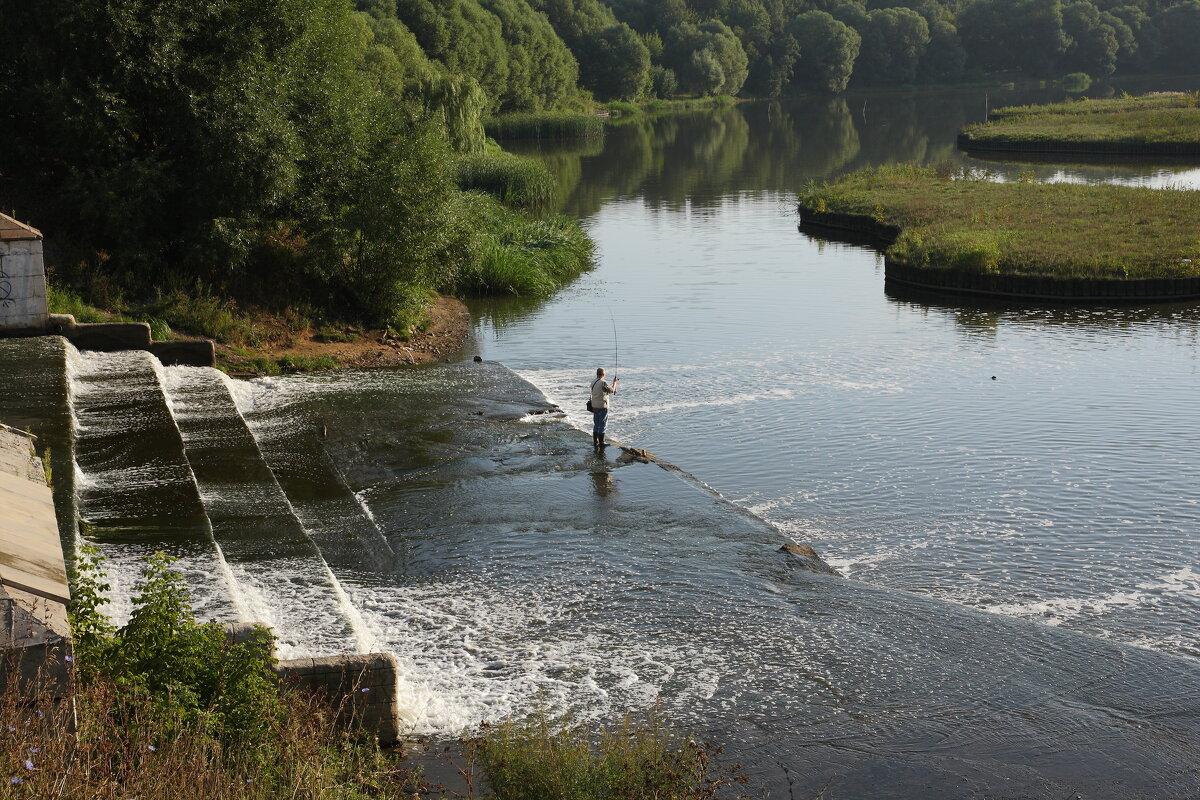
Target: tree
(1093,43)
(708,58)
(828,49)
(1148,41)
(1179,29)
(892,46)
(615,63)
(945,57)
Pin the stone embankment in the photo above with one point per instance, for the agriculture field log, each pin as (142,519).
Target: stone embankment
(36,638)
(860,227)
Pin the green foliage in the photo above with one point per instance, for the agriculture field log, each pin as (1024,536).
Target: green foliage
(62,300)
(520,255)
(552,126)
(1093,41)
(708,58)
(201,312)
(510,49)
(969,222)
(828,50)
(187,672)
(893,44)
(634,761)
(1077,82)
(615,63)
(517,181)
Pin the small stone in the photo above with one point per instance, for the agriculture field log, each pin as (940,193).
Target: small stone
(798,550)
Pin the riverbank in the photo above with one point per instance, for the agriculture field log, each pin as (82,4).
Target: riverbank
(1165,124)
(350,347)
(964,232)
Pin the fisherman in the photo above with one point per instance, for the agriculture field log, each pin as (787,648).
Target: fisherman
(601,389)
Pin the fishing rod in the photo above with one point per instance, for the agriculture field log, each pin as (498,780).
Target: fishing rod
(616,360)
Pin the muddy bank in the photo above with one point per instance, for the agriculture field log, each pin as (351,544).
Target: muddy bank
(449,323)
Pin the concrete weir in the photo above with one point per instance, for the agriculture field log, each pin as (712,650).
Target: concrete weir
(24,307)
(33,578)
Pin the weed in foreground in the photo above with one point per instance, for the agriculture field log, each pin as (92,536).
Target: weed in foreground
(636,760)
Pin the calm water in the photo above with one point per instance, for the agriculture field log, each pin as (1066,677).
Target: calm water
(426,512)
(1040,463)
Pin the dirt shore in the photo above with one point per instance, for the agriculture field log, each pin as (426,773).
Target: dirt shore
(450,322)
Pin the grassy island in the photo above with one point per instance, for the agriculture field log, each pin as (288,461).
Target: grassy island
(1018,238)
(1156,124)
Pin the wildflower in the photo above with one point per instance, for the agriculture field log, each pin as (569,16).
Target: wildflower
(17,781)
(153,748)
(28,764)
(69,659)
(11,729)
(34,750)
(41,714)
(365,690)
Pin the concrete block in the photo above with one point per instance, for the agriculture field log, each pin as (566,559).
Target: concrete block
(185,353)
(108,337)
(343,679)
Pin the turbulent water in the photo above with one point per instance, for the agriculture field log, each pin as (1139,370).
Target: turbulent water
(429,512)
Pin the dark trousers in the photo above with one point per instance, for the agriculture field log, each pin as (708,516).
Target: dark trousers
(599,419)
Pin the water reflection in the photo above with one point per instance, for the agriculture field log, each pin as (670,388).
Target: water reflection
(697,159)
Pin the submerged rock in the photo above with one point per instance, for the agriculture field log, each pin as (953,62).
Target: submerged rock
(804,557)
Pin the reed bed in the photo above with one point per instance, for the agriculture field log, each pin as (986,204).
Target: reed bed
(520,254)
(965,220)
(516,181)
(551,125)
(1135,121)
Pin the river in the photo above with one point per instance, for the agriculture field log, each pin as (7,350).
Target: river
(1011,490)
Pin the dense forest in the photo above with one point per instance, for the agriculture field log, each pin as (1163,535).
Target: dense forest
(307,151)
(625,49)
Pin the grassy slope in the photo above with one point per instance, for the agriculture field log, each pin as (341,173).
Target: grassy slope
(1171,118)
(1047,230)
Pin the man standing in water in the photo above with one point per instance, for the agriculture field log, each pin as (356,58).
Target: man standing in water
(601,389)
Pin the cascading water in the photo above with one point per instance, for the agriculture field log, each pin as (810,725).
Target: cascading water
(288,584)
(135,490)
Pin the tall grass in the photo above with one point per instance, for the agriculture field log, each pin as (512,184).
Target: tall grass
(74,748)
(966,221)
(519,254)
(517,181)
(545,125)
(636,760)
(208,315)
(62,300)
(1150,119)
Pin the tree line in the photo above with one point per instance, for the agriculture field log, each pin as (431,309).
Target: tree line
(626,49)
(286,153)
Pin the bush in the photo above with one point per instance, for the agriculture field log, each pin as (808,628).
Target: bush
(545,125)
(516,181)
(167,708)
(164,660)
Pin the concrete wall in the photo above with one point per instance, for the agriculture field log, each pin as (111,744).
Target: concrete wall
(363,687)
(22,285)
(34,633)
